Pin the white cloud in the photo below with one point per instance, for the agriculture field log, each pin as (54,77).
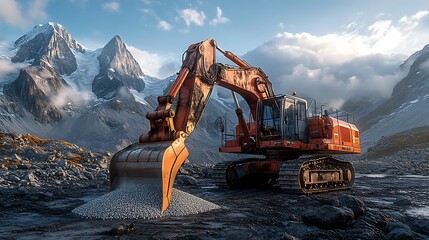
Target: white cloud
(152,64)
(219,18)
(69,95)
(192,16)
(36,9)
(8,67)
(352,25)
(164,25)
(12,12)
(111,6)
(335,67)
(9,70)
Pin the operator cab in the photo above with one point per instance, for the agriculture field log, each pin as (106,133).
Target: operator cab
(283,117)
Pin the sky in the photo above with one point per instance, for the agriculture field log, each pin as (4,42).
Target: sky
(330,49)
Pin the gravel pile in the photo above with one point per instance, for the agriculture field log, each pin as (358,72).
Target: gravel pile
(142,202)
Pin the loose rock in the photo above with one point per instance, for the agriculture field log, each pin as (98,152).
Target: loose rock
(400,231)
(356,204)
(186,180)
(328,217)
(402,201)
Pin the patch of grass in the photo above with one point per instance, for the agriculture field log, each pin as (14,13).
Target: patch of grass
(35,140)
(3,135)
(8,163)
(415,138)
(62,142)
(76,158)
(74,164)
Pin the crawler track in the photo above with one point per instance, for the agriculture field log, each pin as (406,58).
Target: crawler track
(314,175)
(228,173)
(302,176)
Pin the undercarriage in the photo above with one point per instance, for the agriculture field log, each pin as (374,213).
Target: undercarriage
(304,175)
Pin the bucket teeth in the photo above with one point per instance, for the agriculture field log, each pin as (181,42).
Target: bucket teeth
(149,163)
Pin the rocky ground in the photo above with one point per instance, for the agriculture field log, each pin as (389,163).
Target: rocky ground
(42,181)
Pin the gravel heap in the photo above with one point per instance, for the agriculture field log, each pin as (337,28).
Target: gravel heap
(142,201)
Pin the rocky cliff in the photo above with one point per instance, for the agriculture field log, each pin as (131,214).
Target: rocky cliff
(119,71)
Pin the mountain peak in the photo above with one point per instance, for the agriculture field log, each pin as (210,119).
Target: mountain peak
(116,43)
(47,31)
(118,68)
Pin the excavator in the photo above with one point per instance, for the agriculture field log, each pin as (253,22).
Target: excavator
(295,143)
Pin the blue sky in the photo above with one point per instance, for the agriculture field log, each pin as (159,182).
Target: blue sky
(167,27)
(309,42)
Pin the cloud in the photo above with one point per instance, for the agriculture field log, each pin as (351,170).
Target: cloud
(13,13)
(36,9)
(336,67)
(10,12)
(219,18)
(69,95)
(192,16)
(152,64)
(164,25)
(111,6)
(8,67)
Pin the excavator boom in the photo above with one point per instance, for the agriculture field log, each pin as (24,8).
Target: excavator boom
(158,155)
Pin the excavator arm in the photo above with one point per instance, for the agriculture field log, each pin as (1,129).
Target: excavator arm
(158,155)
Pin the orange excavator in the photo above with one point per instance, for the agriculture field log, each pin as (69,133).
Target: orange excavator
(296,142)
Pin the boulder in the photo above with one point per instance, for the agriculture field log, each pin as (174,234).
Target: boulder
(123,228)
(287,236)
(186,180)
(12,167)
(420,225)
(17,157)
(183,171)
(13,178)
(103,164)
(356,204)
(402,201)
(328,217)
(31,177)
(298,229)
(400,231)
(62,163)
(24,166)
(45,195)
(208,172)
(21,192)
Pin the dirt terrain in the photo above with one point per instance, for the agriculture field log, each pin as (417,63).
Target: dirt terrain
(397,207)
(388,201)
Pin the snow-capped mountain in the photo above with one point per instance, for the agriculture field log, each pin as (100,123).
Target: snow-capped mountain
(119,71)
(49,50)
(51,95)
(94,98)
(408,105)
(48,45)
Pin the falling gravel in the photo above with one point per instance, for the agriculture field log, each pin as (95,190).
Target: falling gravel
(143,201)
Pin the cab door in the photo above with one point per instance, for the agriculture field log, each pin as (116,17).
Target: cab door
(302,121)
(289,119)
